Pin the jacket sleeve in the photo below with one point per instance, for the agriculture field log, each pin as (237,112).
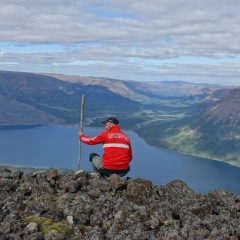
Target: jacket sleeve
(93,140)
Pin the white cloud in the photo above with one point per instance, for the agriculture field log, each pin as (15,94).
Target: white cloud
(123,39)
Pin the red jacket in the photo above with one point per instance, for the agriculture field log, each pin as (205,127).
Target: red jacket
(117,148)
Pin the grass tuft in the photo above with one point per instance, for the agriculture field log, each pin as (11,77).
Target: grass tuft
(47,226)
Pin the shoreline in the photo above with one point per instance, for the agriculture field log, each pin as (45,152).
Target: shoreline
(13,127)
(194,155)
(26,169)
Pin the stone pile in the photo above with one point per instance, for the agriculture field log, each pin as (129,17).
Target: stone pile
(81,205)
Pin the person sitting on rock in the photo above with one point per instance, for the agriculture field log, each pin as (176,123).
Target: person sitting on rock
(117,149)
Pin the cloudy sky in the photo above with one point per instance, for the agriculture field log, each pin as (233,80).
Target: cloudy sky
(144,40)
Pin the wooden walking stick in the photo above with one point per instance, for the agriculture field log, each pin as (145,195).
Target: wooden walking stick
(81,129)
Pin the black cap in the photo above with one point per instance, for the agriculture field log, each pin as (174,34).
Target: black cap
(111,120)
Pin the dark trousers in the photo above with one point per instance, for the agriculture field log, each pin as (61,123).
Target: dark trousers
(98,167)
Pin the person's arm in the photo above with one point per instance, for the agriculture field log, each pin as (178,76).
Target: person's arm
(130,151)
(91,140)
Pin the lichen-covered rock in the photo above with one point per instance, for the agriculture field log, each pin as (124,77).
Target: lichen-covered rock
(81,205)
(117,182)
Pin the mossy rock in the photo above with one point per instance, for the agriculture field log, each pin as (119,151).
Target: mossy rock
(47,226)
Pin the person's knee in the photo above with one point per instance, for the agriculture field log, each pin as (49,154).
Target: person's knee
(92,155)
(97,162)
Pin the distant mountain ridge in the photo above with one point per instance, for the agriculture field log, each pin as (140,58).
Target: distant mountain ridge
(29,114)
(59,99)
(136,90)
(226,111)
(59,96)
(214,133)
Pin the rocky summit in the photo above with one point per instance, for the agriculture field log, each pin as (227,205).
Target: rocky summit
(83,205)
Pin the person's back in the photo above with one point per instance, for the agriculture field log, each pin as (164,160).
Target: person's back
(117,149)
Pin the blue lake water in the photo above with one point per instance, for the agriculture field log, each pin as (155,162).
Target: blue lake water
(58,147)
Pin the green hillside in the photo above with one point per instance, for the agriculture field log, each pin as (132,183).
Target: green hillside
(214,133)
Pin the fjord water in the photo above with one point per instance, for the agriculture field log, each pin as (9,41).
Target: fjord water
(58,147)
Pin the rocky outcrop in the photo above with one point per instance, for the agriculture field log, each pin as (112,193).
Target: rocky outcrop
(84,205)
